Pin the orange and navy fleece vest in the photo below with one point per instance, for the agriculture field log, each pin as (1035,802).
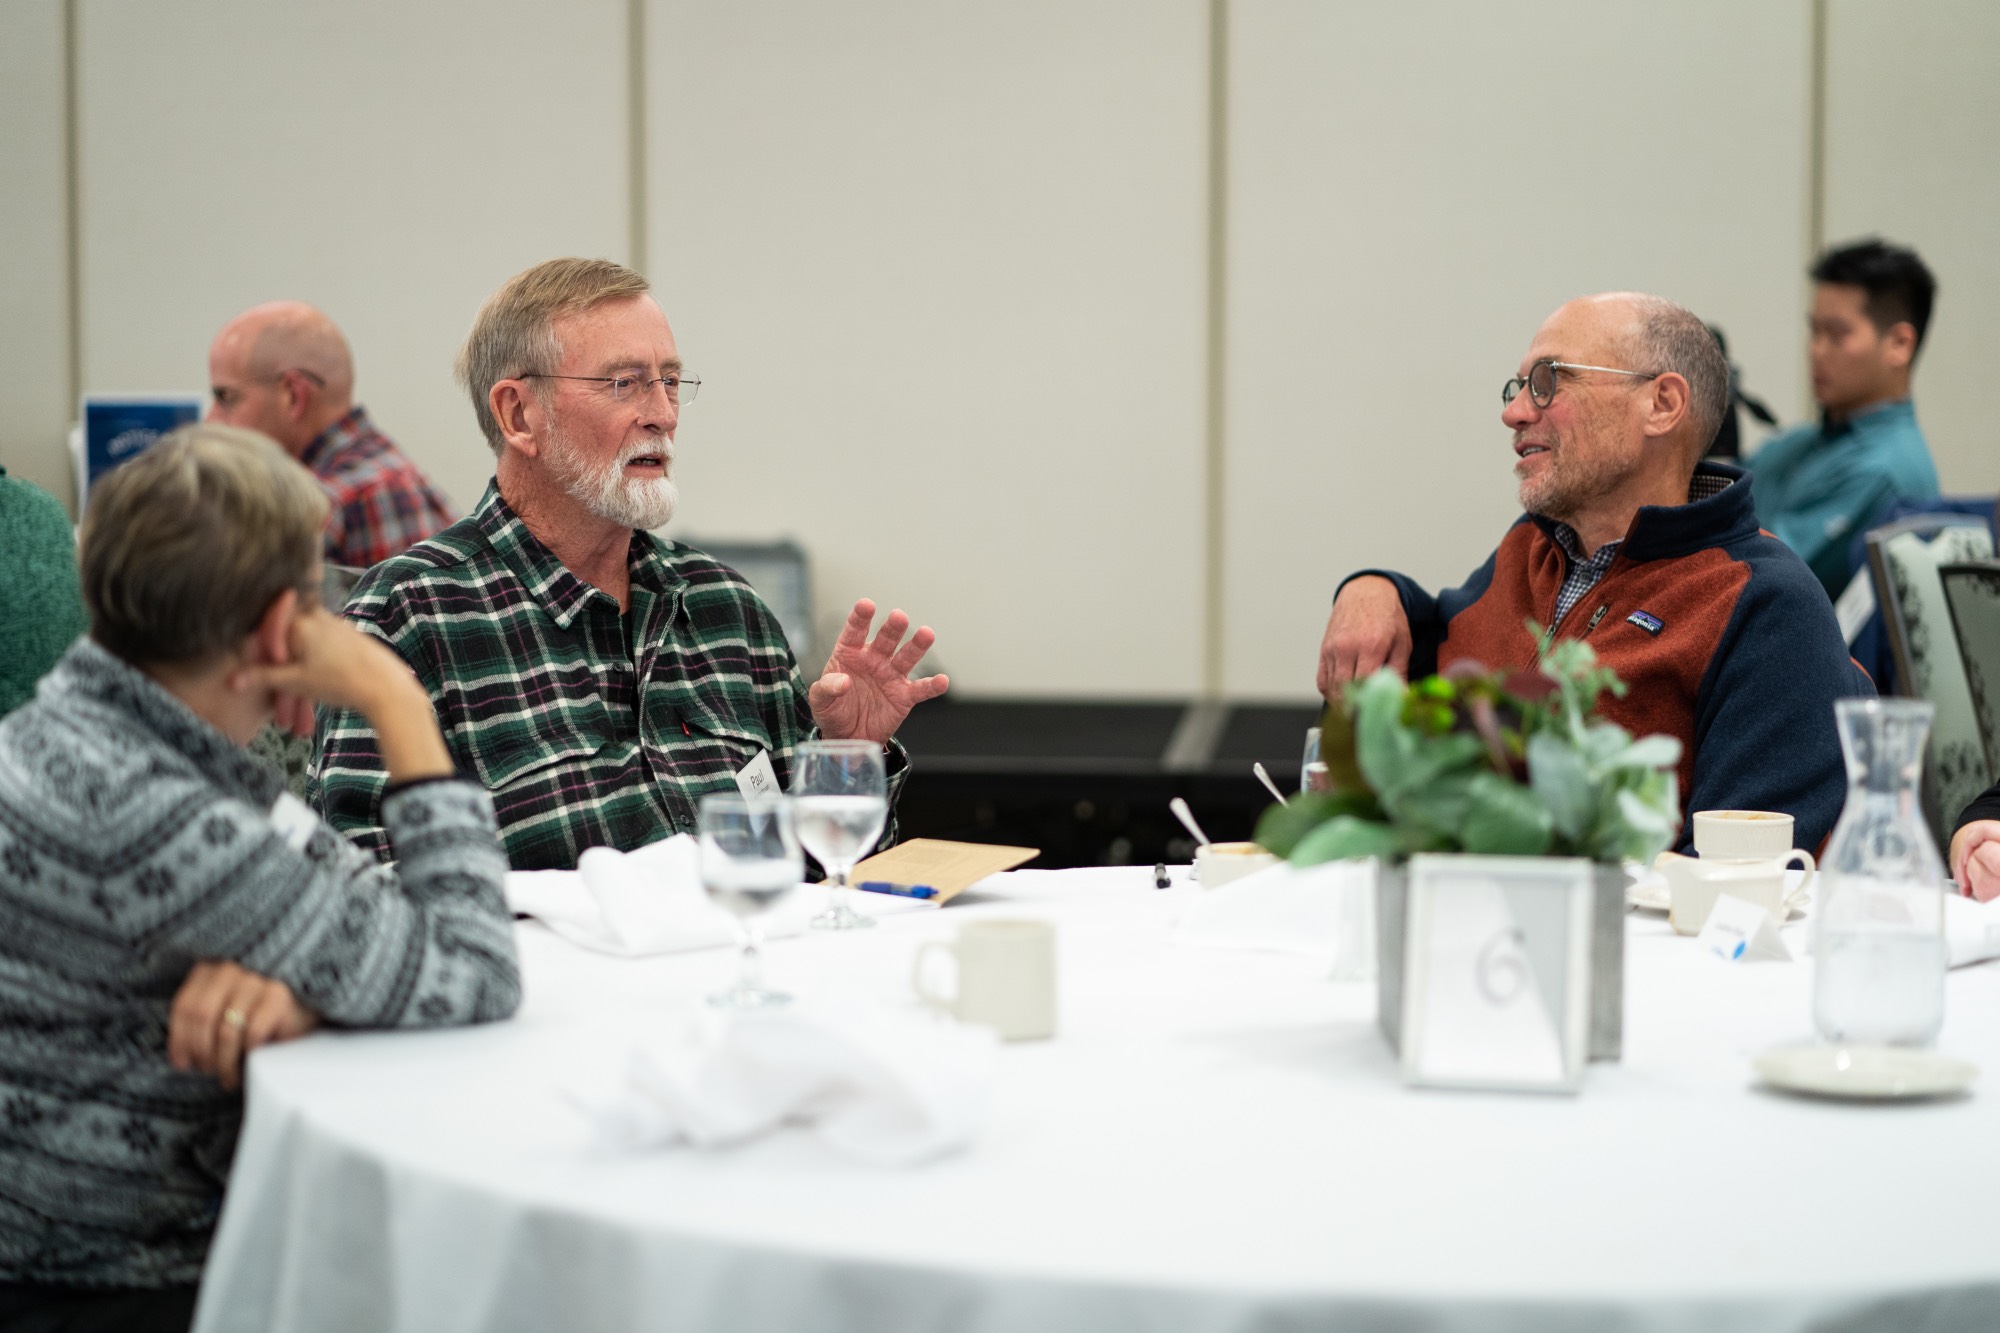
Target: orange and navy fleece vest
(1721,634)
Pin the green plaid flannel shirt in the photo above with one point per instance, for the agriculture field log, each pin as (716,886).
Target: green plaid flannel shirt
(590,728)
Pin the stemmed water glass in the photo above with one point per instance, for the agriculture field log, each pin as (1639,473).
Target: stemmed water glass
(1312,770)
(840,795)
(749,860)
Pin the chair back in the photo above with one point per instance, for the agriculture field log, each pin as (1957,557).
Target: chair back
(1904,558)
(336,582)
(1866,637)
(782,575)
(1972,591)
(290,755)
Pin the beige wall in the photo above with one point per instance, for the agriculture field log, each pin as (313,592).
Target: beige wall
(389,162)
(942,270)
(35,397)
(945,267)
(1913,154)
(1413,188)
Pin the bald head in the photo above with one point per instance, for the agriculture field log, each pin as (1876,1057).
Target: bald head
(282,368)
(1656,335)
(291,335)
(1631,390)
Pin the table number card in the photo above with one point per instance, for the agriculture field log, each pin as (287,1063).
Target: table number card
(1497,972)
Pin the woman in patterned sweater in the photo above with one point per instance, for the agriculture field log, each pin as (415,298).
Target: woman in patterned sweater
(165,906)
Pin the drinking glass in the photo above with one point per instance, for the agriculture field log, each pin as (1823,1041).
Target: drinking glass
(1312,771)
(840,798)
(749,860)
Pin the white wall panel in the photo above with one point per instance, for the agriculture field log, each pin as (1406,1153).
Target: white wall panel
(1413,188)
(1913,154)
(35,408)
(941,267)
(392,163)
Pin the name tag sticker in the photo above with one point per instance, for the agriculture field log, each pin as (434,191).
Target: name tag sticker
(294,820)
(758,778)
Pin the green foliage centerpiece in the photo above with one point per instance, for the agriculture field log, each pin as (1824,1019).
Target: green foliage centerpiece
(1483,762)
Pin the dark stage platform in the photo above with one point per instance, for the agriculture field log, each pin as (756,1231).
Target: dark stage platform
(1088,782)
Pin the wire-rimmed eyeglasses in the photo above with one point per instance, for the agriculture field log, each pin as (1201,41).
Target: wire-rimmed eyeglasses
(681,389)
(1540,381)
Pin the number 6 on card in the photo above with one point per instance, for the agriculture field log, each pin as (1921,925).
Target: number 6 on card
(1496,987)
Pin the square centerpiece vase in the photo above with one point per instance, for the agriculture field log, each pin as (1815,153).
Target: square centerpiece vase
(1605,1035)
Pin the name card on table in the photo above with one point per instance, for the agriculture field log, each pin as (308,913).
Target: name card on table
(1738,929)
(1497,972)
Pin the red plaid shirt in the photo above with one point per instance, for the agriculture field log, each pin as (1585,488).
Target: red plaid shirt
(382,502)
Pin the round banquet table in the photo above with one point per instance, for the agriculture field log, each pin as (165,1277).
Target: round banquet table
(1214,1140)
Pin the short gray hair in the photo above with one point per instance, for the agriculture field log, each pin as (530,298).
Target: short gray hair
(514,333)
(1672,338)
(185,547)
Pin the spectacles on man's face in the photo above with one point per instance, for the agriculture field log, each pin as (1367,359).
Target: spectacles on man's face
(229,395)
(681,389)
(1540,381)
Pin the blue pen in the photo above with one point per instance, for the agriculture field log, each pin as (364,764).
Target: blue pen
(900,890)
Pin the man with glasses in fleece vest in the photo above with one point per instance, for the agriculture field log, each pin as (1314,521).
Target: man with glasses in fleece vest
(1634,544)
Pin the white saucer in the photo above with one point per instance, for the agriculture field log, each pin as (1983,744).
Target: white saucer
(1865,1073)
(1651,894)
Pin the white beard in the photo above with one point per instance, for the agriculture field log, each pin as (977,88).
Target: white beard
(607,492)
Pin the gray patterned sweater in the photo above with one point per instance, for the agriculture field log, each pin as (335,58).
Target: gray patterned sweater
(135,840)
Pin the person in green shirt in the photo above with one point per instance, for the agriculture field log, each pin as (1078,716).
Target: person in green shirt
(41,604)
(1818,485)
(596,678)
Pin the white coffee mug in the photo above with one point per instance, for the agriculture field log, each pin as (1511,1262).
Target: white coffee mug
(1216,863)
(1741,835)
(1005,977)
(1695,884)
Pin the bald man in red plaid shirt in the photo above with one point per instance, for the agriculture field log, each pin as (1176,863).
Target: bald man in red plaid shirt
(283,368)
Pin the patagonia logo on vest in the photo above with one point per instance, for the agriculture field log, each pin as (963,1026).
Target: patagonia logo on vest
(1650,623)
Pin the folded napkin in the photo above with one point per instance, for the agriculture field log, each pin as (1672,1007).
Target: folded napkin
(646,901)
(885,1086)
(1324,911)
(1971,930)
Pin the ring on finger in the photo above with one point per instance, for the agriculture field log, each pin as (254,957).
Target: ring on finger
(235,1018)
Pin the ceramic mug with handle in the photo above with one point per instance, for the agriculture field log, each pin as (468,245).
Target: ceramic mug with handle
(1005,977)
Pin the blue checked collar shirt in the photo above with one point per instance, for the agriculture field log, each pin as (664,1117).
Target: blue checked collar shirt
(589,727)
(1586,572)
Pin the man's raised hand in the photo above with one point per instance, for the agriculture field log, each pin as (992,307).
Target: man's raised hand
(866,691)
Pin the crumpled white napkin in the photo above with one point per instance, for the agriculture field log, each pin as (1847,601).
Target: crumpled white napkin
(646,901)
(885,1086)
(1971,930)
(1325,911)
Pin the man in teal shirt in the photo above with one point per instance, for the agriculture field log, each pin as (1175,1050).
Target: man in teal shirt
(1816,486)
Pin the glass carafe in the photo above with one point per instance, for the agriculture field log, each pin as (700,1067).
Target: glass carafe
(1878,923)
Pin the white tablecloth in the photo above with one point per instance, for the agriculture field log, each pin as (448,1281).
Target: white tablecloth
(1214,1141)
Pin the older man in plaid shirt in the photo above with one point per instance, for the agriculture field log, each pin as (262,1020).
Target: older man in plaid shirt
(598,679)
(283,368)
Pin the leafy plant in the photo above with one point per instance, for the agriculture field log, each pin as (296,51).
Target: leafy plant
(1480,761)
